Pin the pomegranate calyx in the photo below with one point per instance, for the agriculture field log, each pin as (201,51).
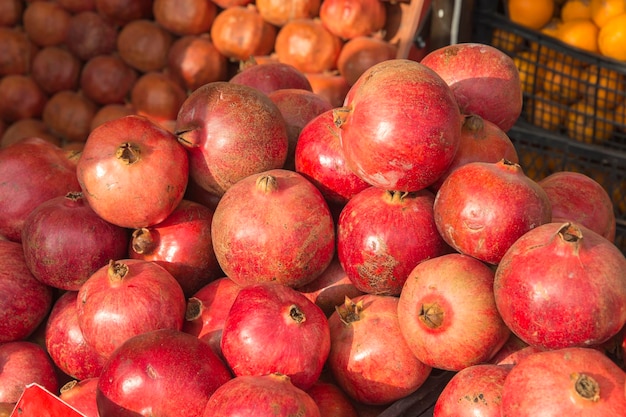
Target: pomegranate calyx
(68,386)
(74,195)
(431,315)
(395,197)
(128,153)
(473,123)
(349,311)
(570,233)
(117,270)
(194,309)
(585,386)
(266,183)
(142,241)
(296,314)
(187,137)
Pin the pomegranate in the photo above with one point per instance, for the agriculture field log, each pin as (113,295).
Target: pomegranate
(160,372)
(55,68)
(572,381)
(122,153)
(483,207)
(33,170)
(182,245)
(123,11)
(298,108)
(81,395)
(319,157)
(219,135)
(484,80)
(361,361)
(207,310)
(90,34)
(473,391)
(576,298)
(273,226)
(270,76)
(331,400)
(194,60)
(65,343)
(254,395)
(23,363)
(125,298)
(382,235)
(361,52)
(448,314)
(68,115)
(24,301)
(190,17)
(579,198)
(144,45)
(481,141)
(278,12)
(107,79)
(65,241)
(274,328)
(21,97)
(400,126)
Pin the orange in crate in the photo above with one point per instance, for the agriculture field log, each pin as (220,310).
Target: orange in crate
(579,33)
(587,124)
(545,112)
(603,10)
(575,9)
(561,79)
(533,14)
(602,87)
(612,38)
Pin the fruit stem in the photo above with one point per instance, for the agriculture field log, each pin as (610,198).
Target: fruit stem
(431,315)
(349,311)
(266,183)
(128,153)
(396,197)
(340,115)
(117,271)
(296,314)
(142,241)
(587,387)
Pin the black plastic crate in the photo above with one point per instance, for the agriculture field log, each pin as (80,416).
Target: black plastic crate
(567,91)
(542,153)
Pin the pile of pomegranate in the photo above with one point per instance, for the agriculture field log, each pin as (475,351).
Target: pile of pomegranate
(263,250)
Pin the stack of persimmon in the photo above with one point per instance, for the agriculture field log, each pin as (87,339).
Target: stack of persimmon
(66,66)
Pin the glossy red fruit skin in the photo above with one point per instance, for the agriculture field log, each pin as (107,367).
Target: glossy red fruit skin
(485,80)
(361,360)
(81,395)
(273,328)
(33,170)
(483,207)
(125,298)
(24,300)
(382,235)
(222,124)
(169,372)
(181,244)
(254,395)
(579,198)
(473,391)
(582,283)
(122,153)
(331,400)
(400,126)
(65,342)
(565,382)
(273,226)
(319,157)
(298,108)
(23,363)
(271,76)
(65,241)
(448,314)
(207,310)
(481,141)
